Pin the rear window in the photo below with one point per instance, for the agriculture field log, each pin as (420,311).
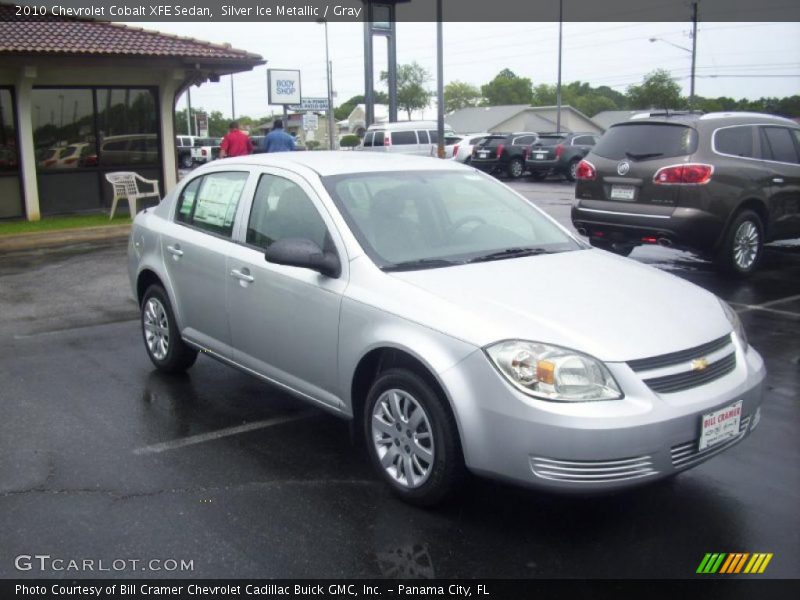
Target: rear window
(550,140)
(493,141)
(646,141)
(404,137)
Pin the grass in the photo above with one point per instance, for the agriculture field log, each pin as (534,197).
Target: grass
(57,223)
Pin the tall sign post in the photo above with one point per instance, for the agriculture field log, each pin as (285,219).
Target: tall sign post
(380,21)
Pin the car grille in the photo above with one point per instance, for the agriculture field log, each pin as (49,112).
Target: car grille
(593,471)
(686,376)
(675,358)
(687,454)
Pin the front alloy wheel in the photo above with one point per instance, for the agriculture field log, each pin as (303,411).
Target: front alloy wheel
(162,339)
(156,328)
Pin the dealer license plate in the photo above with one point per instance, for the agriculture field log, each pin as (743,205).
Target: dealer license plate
(483,154)
(623,192)
(720,425)
(539,156)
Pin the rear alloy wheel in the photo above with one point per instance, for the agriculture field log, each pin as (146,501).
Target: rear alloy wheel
(162,340)
(621,249)
(412,438)
(186,162)
(742,245)
(572,170)
(515,168)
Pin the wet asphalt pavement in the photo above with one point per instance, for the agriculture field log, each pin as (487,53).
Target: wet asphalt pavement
(95,461)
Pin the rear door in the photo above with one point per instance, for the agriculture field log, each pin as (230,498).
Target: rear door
(781,147)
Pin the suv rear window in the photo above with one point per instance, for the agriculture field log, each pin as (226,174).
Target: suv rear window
(550,140)
(643,141)
(493,141)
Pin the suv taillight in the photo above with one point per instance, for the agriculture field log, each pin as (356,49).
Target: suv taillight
(585,171)
(387,139)
(499,150)
(455,150)
(691,174)
(559,150)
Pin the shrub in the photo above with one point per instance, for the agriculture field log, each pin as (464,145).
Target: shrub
(349,141)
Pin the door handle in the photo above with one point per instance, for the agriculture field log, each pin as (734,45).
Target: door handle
(777,180)
(175,250)
(242,276)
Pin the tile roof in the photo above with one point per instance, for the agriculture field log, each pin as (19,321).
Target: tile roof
(53,35)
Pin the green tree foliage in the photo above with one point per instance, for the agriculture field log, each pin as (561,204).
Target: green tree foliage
(658,90)
(507,88)
(411,92)
(458,94)
(217,122)
(343,111)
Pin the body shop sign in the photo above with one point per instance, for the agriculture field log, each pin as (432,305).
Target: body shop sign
(284,86)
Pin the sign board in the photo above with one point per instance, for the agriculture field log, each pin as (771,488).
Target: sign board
(313,104)
(283,86)
(310,122)
(201,119)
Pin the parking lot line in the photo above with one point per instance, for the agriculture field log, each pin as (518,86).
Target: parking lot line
(221,433)
(767,306)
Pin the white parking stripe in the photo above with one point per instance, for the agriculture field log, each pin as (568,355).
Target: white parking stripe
(221,433)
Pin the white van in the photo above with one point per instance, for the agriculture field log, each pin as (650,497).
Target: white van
(405,137)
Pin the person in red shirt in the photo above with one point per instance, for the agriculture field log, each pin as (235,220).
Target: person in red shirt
(235,143)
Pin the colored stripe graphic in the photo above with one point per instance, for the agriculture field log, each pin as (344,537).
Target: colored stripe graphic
(711,562)
(728,563)
(765,563)
(703,563)
(740,564)
(724,563)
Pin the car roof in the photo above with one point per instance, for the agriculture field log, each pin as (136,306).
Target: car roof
(333,162)
(715,118)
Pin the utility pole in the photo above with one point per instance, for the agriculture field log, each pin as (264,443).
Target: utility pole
(694,53)
(189,109)
(233,106)
(558,87)
(329,68)
(439,82)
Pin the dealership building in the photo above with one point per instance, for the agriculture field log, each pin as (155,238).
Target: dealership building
(82,98)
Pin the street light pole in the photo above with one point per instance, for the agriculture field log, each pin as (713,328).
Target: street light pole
(558,88)
(439,82)
(694,52)
(331,144)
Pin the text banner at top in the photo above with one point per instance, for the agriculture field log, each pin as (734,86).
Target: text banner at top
(407,10)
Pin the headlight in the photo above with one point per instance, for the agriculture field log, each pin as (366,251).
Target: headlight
(553,373)
(735,321)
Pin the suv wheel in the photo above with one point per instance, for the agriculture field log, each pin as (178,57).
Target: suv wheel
(412,438)
(742,245)
(186,162)
(162,340)
(515,168)
(572,169)
(621,249)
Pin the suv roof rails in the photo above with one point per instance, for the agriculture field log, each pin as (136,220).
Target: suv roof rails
(667,112)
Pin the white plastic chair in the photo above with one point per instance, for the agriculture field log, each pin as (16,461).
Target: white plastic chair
(126,187)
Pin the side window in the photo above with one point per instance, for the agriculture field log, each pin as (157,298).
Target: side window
(423,137)
(434,136)
(281,209)
(737,141)
(210,202)
(378,141)
(404,137)
(781,145)
(368,139)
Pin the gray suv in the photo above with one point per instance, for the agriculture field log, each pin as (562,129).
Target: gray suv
(721,184)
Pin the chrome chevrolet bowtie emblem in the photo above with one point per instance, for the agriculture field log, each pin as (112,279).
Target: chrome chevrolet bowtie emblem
(623,167)
(699,364)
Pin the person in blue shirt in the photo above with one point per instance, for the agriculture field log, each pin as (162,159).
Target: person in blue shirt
(278,140)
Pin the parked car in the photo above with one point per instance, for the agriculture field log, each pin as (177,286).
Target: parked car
(722,184)
(503,153)
(49,157)
(447,316)
(184,145)
(404,137)
(558,153)
(206,149)
(70,157)
(129,149)
(463,150)
(450,145)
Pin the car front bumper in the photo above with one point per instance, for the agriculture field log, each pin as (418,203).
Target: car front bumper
(593,446)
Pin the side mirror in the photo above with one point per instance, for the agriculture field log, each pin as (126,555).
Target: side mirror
(299,252)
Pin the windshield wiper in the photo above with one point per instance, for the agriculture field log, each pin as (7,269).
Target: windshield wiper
(634,156)
(421,263)
(509,253)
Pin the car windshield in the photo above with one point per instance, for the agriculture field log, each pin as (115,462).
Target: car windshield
(642,141)
(408,220)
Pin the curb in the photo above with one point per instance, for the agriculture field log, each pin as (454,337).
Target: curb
(62,237)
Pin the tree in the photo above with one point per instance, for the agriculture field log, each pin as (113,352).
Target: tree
(658,90)
(411,92)
(507,88)
(343,111)
(458,94)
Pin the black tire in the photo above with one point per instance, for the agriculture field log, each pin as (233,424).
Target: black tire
(569,174)
(515,168)
(186,162)
(727,259)
(178,356)
(621,249)
(446,470)
(538,175)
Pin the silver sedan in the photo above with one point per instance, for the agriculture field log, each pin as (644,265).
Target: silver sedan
(462,328)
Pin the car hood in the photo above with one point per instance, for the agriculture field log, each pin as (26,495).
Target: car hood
(609,307)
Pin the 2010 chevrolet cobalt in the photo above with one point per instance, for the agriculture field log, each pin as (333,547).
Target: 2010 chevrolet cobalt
(459,325)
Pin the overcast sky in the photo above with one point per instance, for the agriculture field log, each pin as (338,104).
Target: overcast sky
(741,60)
